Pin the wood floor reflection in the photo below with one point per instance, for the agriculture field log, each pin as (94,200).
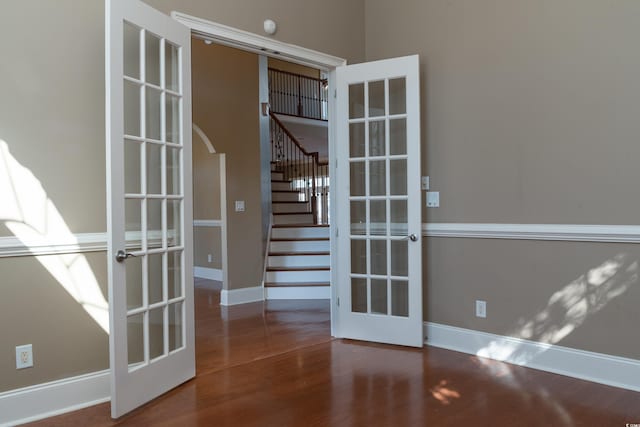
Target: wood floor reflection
(275,364)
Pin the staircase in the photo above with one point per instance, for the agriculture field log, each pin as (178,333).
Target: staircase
(298,264)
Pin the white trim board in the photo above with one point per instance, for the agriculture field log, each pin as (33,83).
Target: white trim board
(241,295)
(562,232)
(207,223)
(298,292)
(204,138)
(208,273)
(596,367)
(239,39)
(54,398)
(53,245)
(97,242)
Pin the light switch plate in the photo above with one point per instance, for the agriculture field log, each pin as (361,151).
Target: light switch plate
(424,183)
(239,205)
(433,199)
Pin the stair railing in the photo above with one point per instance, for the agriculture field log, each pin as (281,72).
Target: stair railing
(297,95)
(305,172)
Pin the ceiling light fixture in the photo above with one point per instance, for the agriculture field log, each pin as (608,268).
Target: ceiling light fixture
(270,27)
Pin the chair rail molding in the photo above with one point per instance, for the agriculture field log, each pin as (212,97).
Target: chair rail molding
(207,223)
(11,246)
(557,232)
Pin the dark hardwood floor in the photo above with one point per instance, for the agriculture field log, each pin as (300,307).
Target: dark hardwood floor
(275,364)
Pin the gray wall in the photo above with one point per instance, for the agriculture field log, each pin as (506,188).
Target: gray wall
(52,118)
(206,206)
(529,108)
(529,115)
(226,107)
(36,309)
(331,26)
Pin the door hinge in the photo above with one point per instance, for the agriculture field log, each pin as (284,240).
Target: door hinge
(337,232)
(338,301)
(335,93)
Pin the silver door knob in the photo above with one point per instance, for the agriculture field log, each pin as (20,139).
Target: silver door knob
(412,237)
(122,255)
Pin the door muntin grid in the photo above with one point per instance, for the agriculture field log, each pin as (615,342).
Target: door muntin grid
(154,197)
(378,197)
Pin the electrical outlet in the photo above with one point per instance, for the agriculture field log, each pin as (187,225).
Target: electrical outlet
(481,308)
(433,199)
(209,258)
(24,356)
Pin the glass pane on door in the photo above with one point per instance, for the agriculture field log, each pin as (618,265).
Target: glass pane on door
(153,198)
(378,198)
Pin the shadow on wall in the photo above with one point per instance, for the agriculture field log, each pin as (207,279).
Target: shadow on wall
(33,218)
(568,308)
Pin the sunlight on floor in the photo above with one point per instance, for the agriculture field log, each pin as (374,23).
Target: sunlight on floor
(444,394)
(33,218)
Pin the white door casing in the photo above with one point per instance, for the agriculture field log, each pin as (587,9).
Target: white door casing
(378,198)
(149,198)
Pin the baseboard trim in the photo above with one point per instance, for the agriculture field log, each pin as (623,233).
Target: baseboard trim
(208,273)
(298,292)
(596,367)
(242,295)
(41,401)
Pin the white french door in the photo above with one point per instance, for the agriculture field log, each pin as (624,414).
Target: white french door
(379,202)
(148,124)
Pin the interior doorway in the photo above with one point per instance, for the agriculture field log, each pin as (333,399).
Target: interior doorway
(226,167)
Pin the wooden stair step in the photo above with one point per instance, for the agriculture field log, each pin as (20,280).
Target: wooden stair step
(298,225)
(301,239)
(321,253)
(289,201)
(319,268)
(291,213)
(294,284)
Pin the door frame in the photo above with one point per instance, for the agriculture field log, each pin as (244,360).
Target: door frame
(250,42)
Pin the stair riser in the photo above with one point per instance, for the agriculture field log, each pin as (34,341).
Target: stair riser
(299,232)
(298,292)
(281,186)
(286,197)
(290,207)
(298,276)
(299,261)
(300,246)
(293,219)
(279,176)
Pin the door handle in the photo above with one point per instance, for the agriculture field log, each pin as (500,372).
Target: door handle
(412,237)
(122,255)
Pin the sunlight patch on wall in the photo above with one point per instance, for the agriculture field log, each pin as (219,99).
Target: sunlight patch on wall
(33,218)
(568,308)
